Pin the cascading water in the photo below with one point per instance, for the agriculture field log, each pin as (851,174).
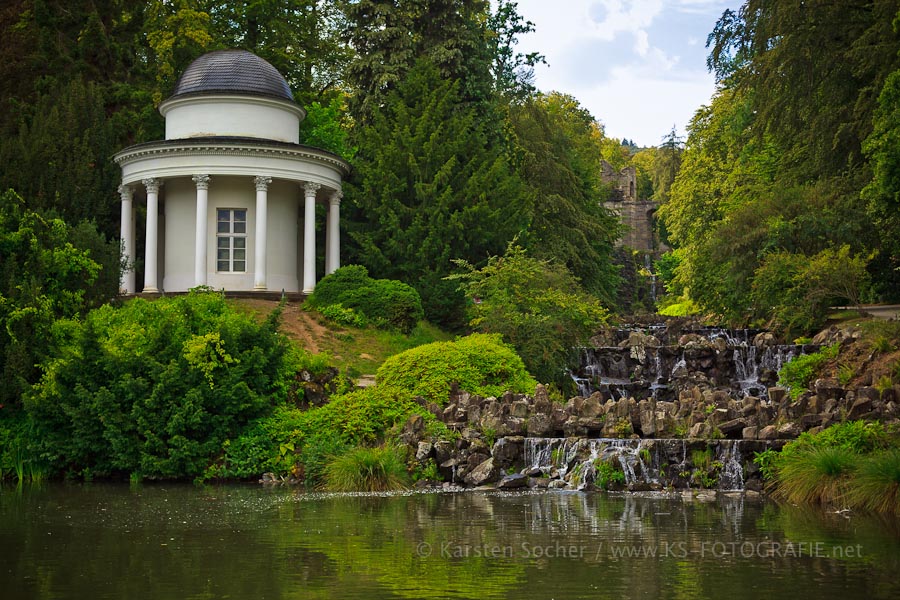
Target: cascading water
(648,265)
(728,455)
(652,362)
(649,463)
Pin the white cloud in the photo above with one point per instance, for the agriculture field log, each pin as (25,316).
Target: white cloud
(637,65)
(643,109)
(625,16)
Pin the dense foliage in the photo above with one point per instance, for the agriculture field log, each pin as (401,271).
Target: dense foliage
(536,305)
(48,271)
(381,302)
(430,187)
(155,388)
(771,209)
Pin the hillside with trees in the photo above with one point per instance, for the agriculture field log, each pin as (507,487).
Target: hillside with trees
(785,202)
(474,201)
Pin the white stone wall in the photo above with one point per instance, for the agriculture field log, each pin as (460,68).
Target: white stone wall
(243,116)
(231,192)
(285,198)
(177,240)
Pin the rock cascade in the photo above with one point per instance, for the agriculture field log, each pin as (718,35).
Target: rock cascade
(660,362)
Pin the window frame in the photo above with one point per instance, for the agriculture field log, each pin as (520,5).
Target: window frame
(236,240)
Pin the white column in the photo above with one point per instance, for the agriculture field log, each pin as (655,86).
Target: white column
(126,285)
(333,233)
(201,244)
(309,238)
(150,279)
(262,211)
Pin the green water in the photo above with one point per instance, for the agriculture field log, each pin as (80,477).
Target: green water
(155,541)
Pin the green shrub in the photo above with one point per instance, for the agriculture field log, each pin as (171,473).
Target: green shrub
(538,307)
(384,302)
(387,303)
(846,373)
(607,472)
(300,442)
(332,287)
(481,364)
(428,472)
(858,437)
(797,373)
(767,461)
(343,316)
(156,388)
(367,470)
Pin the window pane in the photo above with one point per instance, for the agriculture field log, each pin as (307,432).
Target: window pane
(223,215)
(238,266)
(240,242)
(222,265)
(239,255)
(240,215)
(222,242)
(240,227)
(222,254)
(223,227)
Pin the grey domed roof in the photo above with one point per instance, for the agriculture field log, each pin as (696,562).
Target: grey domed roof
(233,72)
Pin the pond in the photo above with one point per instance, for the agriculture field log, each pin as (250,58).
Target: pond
(179,541)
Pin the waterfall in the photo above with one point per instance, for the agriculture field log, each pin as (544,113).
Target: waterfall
(728,358)
(732,475)
(643,462)
(581,456)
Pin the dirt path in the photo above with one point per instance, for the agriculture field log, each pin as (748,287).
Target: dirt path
(296,323)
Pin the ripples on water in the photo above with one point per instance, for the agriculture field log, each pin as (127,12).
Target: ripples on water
(164,541)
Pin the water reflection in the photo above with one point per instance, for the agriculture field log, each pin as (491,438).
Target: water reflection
(107,541)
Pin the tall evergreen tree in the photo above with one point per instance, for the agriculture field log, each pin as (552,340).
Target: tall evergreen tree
(380,33)
(428,187)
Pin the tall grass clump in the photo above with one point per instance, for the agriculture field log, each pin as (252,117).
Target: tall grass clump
(876,485)
(367,470)
(855,464)
(815,475)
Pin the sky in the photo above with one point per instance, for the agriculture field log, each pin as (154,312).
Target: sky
(639,66)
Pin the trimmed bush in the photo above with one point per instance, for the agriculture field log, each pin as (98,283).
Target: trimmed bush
(387,303)
(480,363)
(332,287)
(384,302)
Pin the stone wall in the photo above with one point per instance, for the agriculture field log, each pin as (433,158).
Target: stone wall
(635,213)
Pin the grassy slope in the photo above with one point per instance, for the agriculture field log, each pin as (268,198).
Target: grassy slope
(354,351)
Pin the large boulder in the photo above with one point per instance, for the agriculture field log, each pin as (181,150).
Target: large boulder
(508,451)
(539,425)
(484,473)
(514,481)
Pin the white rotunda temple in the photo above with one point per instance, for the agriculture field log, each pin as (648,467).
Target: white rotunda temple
(223,191)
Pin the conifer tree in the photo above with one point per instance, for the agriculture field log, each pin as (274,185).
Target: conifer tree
(428,188)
